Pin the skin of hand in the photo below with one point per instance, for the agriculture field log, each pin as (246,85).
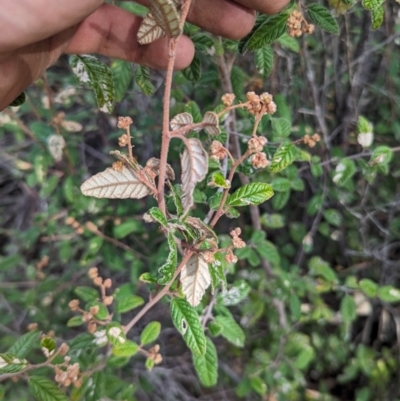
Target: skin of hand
(37,32)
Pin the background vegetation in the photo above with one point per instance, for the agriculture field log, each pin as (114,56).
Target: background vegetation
(319,277)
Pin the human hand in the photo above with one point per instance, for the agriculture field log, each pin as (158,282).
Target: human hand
(37,32)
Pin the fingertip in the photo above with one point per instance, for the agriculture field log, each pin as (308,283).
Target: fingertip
(184,53)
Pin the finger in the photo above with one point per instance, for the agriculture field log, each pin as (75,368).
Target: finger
(264,6)
(29,21)
(232,19)
(111,31)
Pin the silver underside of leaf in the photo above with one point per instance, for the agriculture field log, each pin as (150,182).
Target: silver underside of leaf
(194,163)
(149,31)
(114,184)
(195,279)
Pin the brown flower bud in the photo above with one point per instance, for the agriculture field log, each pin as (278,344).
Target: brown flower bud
(118,166)
(74,304)
(124,122)
(227,99)
(93,271)
(98,281)
(92,327)
(259,160)
(107,283)
(217,151)
(108,300)
(123,140)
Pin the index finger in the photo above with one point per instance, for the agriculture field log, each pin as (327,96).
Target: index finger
(24,22)
(264,6)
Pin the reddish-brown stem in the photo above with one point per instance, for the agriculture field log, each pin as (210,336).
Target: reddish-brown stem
(220,210)
(166,137)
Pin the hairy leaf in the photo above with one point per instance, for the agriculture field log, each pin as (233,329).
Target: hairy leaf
(150,333)
(264,60)
(181,120)
(168,269)
(322,17)
(195,279)
(187,322)
(98,76)
(251,194)
(207,365)
(194,162)
(24,344)
(149,30)
(166,15)
(211,119)
(115,185)
(45,390)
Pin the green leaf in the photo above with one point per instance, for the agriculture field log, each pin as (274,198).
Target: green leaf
(281,127)
(150,333)
(96,75)
(218,278)
(389,293)
(243,44)
(127,349)
(115,334)
(217,179)
(322,17)
(381,155)
(284,156)
(20,99)
(167,270)
(258,385)
(148,278)
(273,28)
(202,42)
(87,293)
(127,227)
(94,386)
(236,294)
(280,184)
(10,363)
(231,330)
(193,72)
(102,313)
(268,251)
(273,221)
(75,321)
(321,268)
(193,109)
(49,344)
(295,306)
(175,195)
(10,261)
(369,287)
(315,204)
(82,341)
(371,4)
(158,215)
(142,78)
(24,344)
(377,15)
(333,217)
(127,303)
(280,200)
(187,322)
(289,43)
(206,365)
(348,309)
(343,172)
(45,390)
(251,194)
(122,73)
(264,60)
(149,364)
(215,328)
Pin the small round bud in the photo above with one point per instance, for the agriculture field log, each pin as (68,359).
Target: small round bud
(108,300)
(98,281)
(93,271)
(107,283)
(74,304)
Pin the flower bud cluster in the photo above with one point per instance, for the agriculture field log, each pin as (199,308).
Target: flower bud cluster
(260,104)
(217,151)
(228,99)
(68,376)
(154,354)
(311,141)
(237,242)
(297,25)
(124,122)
